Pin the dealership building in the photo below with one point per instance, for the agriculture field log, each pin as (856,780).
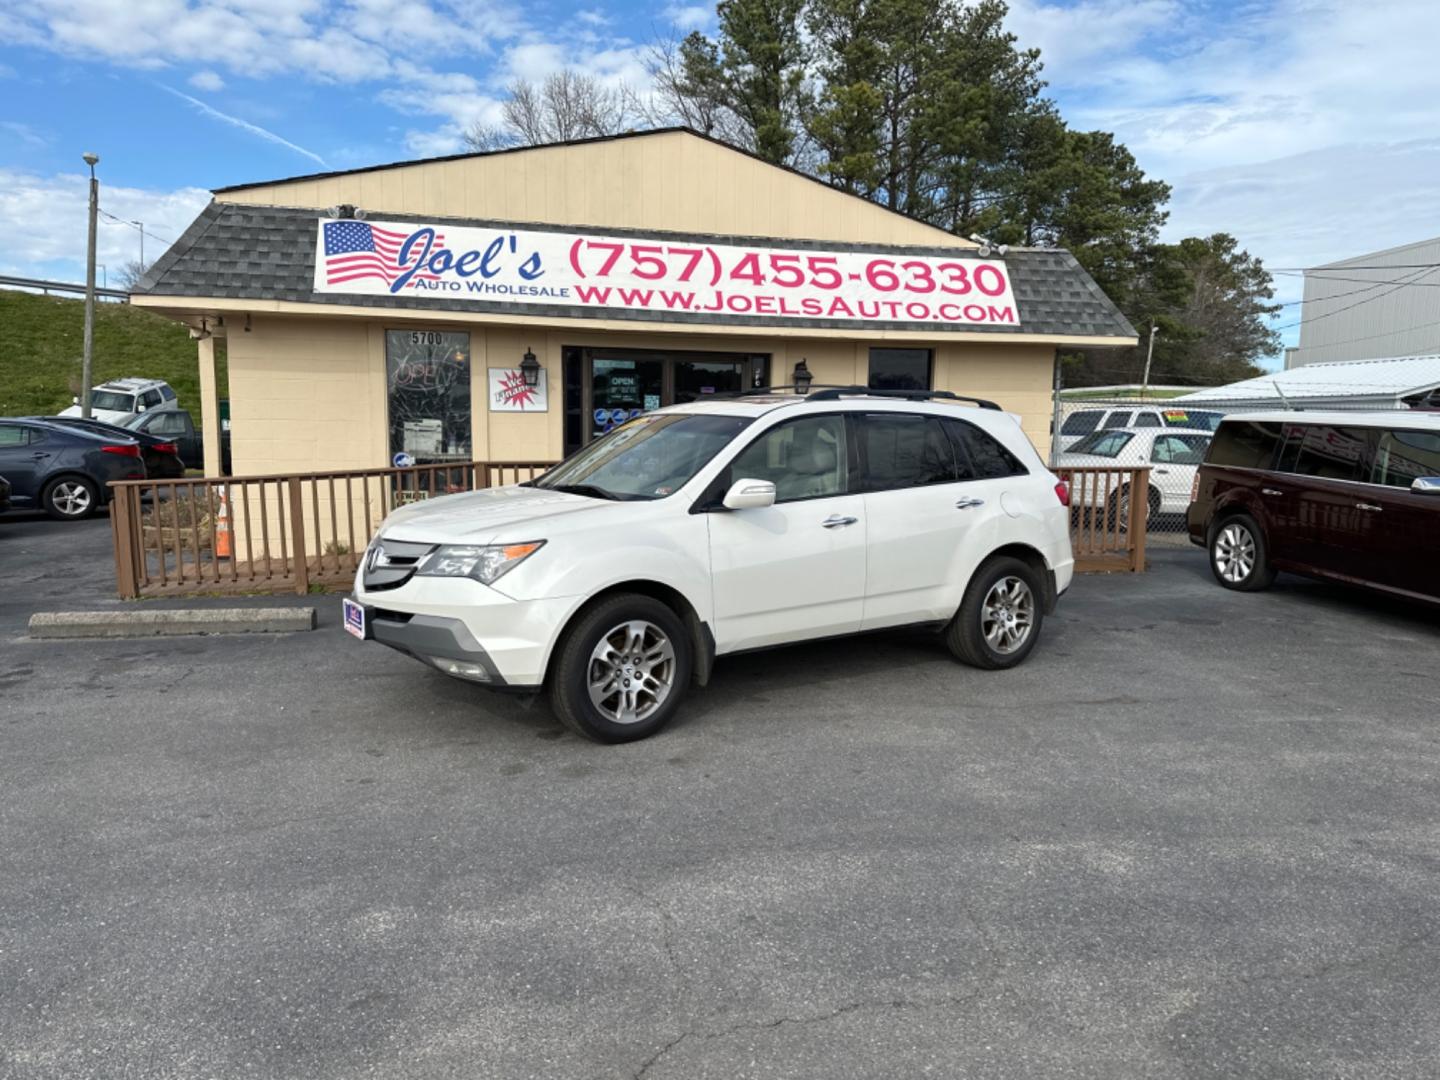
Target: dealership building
(514,305)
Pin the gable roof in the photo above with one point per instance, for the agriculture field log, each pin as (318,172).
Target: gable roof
(235,251)
(484,184)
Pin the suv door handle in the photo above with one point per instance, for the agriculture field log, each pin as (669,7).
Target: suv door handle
(838,521)
(40,455)
(1271,491)
(969,504)
(1367,507)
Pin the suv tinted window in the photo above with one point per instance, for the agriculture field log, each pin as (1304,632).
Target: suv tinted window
(166,393)
(1322,451)
(1117,419)
(1147,419)
(804,459)
(988,458)
(1082,422)
(150,398)
(905,450)
(1244,444)
(1402,456)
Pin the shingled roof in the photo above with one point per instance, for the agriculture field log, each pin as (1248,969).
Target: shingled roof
(247,252)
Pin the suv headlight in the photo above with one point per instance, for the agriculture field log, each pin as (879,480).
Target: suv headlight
(486,563)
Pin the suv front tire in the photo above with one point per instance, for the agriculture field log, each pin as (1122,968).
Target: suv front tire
(622,669)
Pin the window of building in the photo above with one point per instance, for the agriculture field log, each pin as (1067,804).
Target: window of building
(427,374)
(899,369)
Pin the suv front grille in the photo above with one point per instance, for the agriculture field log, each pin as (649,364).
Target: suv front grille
(391,563)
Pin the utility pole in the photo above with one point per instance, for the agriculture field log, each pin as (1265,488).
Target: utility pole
(1149,352)
(91,159)
(141,226)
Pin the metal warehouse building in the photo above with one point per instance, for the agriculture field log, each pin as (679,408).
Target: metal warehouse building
(1383,304)
(514,305)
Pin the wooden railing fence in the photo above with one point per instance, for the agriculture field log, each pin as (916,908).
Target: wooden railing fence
(289,533)
(271,533)
(1107,526)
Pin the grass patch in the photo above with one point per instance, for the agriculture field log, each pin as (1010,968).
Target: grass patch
(43,340)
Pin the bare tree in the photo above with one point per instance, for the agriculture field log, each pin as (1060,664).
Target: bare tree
(563,106)
(129,275)
(688,89)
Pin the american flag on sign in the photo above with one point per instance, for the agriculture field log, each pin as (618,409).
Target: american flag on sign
(357,249)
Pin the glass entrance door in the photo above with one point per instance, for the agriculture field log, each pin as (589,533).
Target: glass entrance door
(698,378)
(622,389)
(605,387)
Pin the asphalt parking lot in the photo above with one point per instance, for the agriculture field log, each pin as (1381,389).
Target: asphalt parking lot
(1195,836)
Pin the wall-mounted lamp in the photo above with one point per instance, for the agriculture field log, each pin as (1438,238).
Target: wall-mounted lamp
(802,377)
(247,322)
(530,368)
(202,333)
(346,210)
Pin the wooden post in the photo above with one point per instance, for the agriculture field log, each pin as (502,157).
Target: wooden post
(124,534)
(209,411)
(1139,517)
(297,538)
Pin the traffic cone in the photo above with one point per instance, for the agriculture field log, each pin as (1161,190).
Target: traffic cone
(222,525)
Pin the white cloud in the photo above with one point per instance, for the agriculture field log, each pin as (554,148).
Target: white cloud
(687,17)
(208,81)
(243,125)
(44,218)
(24,132)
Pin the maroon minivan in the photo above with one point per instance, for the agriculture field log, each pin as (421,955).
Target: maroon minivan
(1350,497)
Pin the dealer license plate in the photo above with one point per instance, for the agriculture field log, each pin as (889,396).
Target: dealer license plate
(354,618)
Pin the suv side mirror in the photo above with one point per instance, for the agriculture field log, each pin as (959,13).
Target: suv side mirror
(1426,485)
(139,408)
(749,495)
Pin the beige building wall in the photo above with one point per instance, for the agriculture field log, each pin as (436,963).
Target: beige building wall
(309,393)
(666,182)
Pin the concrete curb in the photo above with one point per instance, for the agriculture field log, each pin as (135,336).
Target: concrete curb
(130,624)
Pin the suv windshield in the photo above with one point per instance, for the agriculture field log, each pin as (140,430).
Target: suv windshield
(1102,443)
(110,401)
(649,458)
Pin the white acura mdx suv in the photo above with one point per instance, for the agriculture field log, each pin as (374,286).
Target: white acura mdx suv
(691,532)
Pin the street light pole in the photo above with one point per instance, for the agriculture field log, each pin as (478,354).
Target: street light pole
(92,160)
(1149,352)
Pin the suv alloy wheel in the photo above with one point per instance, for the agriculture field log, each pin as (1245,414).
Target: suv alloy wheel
(622,669)
(999,620)
(1238,557)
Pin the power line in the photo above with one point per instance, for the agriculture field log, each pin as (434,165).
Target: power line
(1358,303)
(1368,281)
(1339,269)
(147,232)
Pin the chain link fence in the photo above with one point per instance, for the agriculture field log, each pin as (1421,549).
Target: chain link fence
(1169,437)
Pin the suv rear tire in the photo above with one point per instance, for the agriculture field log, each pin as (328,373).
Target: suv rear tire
(1239,558)
(622,669)
(999,620)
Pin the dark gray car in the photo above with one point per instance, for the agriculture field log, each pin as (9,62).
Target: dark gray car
(63,471)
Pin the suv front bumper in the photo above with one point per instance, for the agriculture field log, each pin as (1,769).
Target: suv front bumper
(467,630)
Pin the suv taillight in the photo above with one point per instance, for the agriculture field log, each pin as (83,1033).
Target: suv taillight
(1062,492)
(166,448)
(124,450)
(1195,486)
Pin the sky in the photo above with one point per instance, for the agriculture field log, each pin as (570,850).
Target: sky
(1306,128)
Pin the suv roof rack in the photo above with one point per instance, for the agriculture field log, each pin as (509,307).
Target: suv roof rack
(834,393)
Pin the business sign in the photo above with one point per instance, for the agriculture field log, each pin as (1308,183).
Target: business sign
(510,393)
(659,275)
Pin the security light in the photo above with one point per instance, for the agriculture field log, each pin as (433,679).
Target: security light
(530,369)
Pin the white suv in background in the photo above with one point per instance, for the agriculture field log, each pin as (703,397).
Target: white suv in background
(719,526)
